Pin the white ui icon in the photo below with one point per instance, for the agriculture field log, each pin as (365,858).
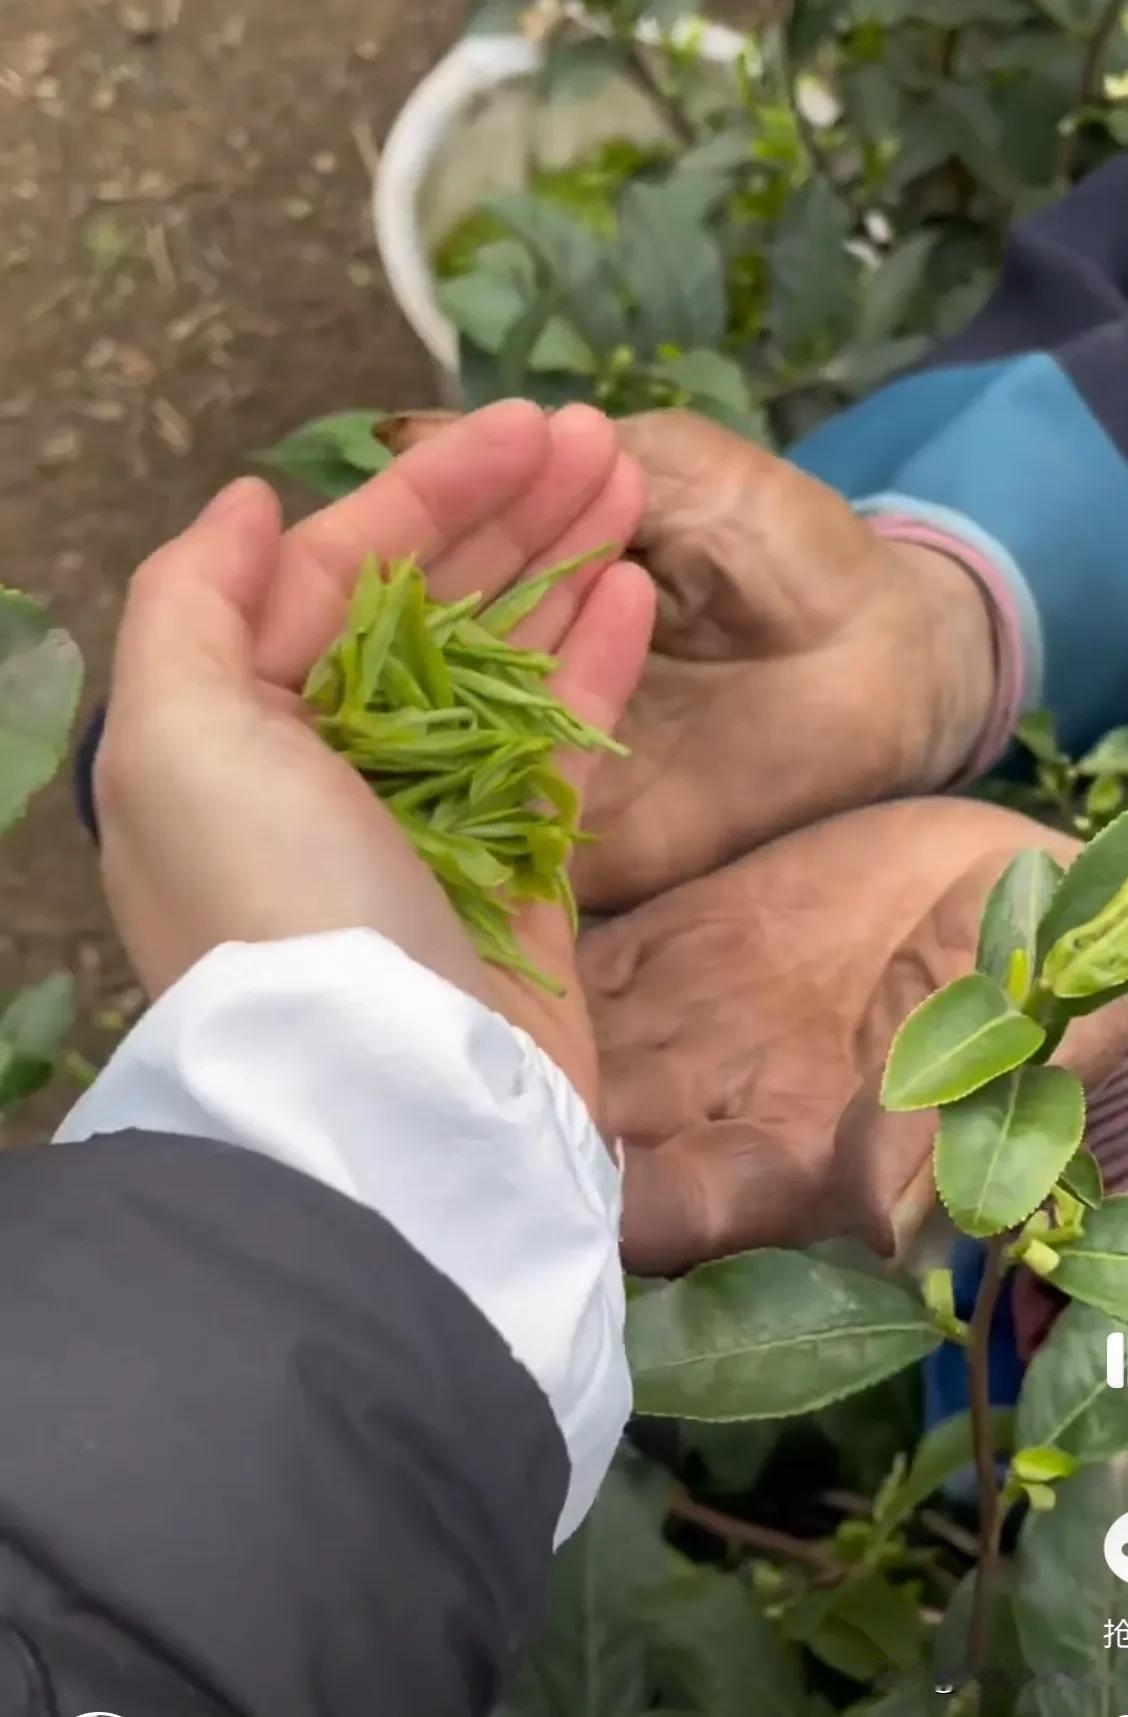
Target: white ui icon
(1116,1548)
(1115,1360)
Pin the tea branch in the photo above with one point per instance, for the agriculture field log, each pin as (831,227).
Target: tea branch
(652,86)
(1089,87)
(990,1501)
(765,1540)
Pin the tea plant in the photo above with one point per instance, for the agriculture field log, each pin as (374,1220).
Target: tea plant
(40,679)
(822,210)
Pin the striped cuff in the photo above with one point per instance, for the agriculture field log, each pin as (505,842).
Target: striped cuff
(1015,624)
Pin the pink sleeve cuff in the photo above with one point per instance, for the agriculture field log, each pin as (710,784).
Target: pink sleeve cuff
(1006,630)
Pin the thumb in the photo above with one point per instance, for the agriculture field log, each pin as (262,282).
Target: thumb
(193,607)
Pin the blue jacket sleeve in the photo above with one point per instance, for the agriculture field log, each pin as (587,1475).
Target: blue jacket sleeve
(1020,426)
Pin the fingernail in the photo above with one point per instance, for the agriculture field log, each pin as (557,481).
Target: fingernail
(229,499)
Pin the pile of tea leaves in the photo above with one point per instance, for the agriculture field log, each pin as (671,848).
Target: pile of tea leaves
(454,729)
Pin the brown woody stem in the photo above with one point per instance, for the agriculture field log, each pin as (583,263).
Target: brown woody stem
(983,1442)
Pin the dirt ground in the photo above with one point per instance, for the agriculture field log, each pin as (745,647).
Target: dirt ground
(186,271)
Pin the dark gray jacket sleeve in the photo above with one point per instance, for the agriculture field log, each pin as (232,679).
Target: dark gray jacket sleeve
(257,1457)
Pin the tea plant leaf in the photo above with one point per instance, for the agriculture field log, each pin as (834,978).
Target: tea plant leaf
(486,308)
(954,1042)
(571,258)
(1066,1400)
(767,1335)
(33,1027)
(892,290)
(672,267)
(732,1455)
(862,1629)
(590,1660)
(1014,910)
(1001,1151)
(332,455)
(40,681)
(810,21)
(1042,1464)
(1094,877)
(1109,756)
(813,275)
(709,1645)
(710,376)
(717,388)
(1065,1592)
(1007,1672)
(943,1451)
(1092,959)
(575,71)
(1095,1268)
(1082,1178)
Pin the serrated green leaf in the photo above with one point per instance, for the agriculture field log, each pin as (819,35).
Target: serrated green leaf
(33,1028)
(1065,1593)
(1092,959)
(814,277)
(955,1042)
(1082,1178)
(1092,880)
(672,267)
(1095,1268)
(40,681)
(332,455)
(1014,910)
(1001,1151)
(767,1335)
(1066,1400)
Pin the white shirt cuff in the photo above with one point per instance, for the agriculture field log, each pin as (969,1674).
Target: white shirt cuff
(339,1055)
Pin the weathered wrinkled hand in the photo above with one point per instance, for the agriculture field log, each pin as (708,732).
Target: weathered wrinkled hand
(743,1023)
(801,665)
(225,818)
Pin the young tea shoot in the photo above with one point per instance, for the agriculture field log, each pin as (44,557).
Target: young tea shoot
(455,729)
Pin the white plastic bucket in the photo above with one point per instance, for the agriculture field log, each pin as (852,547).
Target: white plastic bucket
(477,69)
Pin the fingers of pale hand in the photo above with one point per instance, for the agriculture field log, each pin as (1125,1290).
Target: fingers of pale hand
(580,459)
(602,658)
(192,608)
(449,489)
(611,519)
